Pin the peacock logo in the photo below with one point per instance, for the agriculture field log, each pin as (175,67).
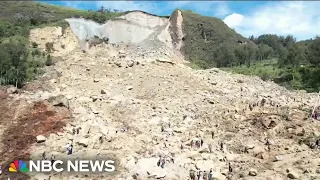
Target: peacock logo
(18,166)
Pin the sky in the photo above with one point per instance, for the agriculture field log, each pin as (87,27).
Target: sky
(298,18)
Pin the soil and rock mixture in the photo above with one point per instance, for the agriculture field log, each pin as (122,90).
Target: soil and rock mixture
(21,122)
(140,108)
(136,103)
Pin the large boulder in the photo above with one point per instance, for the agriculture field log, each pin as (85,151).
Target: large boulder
(59,100)
(12,90)
(41,138)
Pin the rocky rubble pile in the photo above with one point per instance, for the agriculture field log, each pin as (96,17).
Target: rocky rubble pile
(140,109)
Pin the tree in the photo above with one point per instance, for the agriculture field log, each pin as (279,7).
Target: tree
(101,10)
(313,52)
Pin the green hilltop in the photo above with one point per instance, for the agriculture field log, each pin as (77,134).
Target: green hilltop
(20,63)
(208,42)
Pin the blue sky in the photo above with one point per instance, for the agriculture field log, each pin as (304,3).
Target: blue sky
(298,18)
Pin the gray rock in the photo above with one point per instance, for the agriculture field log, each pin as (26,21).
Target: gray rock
(118,64)
(59,100)
(130,64)
(52,81)
(12,90)
(41,176)
(41,138)
(84,99)
(96,80)
(103,91)
(253,172)
(292,174)
(83,142)
(277,158)
(80,110)
(95,98)
(85,128)
(204,150)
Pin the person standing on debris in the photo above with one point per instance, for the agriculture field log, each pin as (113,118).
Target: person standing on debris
(210,148)
(43,155)
(205,175)
(172,159)
(192,175)
(52,159)
(211,174)
(159,162)
(162,128)
(268,145)
(70,149)
(318,142)
(212,134)
(163,161)
(221,146)
(198,175)
(230,168)
(201,143)
(101,139)
(169,125)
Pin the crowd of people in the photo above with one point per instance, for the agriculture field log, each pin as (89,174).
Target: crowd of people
(201,175)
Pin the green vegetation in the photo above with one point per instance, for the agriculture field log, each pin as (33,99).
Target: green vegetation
(210,43)
(21,60)
(208,40)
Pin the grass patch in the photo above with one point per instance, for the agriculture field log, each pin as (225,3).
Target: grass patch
(193,66)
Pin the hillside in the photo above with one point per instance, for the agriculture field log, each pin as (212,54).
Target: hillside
(204,41)
(45,13)
(17,18)
(205,37)
(121,88)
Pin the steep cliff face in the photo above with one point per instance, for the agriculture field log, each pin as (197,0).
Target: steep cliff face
(133,27)
(176,33)
(196,37)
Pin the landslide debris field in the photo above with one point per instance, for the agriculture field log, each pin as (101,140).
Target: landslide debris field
(141,101)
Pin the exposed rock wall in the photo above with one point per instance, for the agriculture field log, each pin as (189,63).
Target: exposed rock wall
(133,27)
(175,29)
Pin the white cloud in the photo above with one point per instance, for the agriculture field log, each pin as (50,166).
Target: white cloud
(233,20)
(301,19)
